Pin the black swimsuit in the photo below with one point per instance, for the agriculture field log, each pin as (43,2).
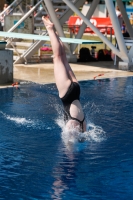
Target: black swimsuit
(71,95)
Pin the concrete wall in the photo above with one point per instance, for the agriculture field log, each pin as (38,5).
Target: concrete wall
(25,27)
(100,10)
(6,66)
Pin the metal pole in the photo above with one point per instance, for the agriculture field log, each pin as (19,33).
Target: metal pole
(32,2)
(116,26)
(24,17)
(15,6)
(39,11)
(122,54)
(83,26)
(55,20)
(21,9)
(111,34)
(8,7)
(125,17)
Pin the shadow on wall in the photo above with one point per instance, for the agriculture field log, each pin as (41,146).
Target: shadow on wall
(5,75)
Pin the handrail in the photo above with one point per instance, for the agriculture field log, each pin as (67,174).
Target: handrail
(24,17)
(8,8)
(40,11)
(19,7)
(37,41)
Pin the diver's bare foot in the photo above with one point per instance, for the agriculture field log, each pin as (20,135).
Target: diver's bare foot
(48,24)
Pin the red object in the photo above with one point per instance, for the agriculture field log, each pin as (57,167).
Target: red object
(98,75)
(16,83)
(103,24)
(45,49)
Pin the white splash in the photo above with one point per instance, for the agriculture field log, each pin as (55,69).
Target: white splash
(18,120)
(93,134)
(22,121)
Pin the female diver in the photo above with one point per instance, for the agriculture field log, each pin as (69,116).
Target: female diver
(66,82)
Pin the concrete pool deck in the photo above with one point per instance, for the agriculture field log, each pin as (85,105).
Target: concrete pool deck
(43,73)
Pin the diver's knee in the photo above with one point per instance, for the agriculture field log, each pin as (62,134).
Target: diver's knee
(57,57)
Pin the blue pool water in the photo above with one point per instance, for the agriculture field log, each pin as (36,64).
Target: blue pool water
(37,160)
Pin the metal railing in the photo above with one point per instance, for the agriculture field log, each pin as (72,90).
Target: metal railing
(25,16)
(37,44)
(10,8)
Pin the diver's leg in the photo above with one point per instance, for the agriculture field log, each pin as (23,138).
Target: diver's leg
(61,76)
(65,61)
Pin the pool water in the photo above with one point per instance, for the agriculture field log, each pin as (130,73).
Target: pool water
(37,159)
